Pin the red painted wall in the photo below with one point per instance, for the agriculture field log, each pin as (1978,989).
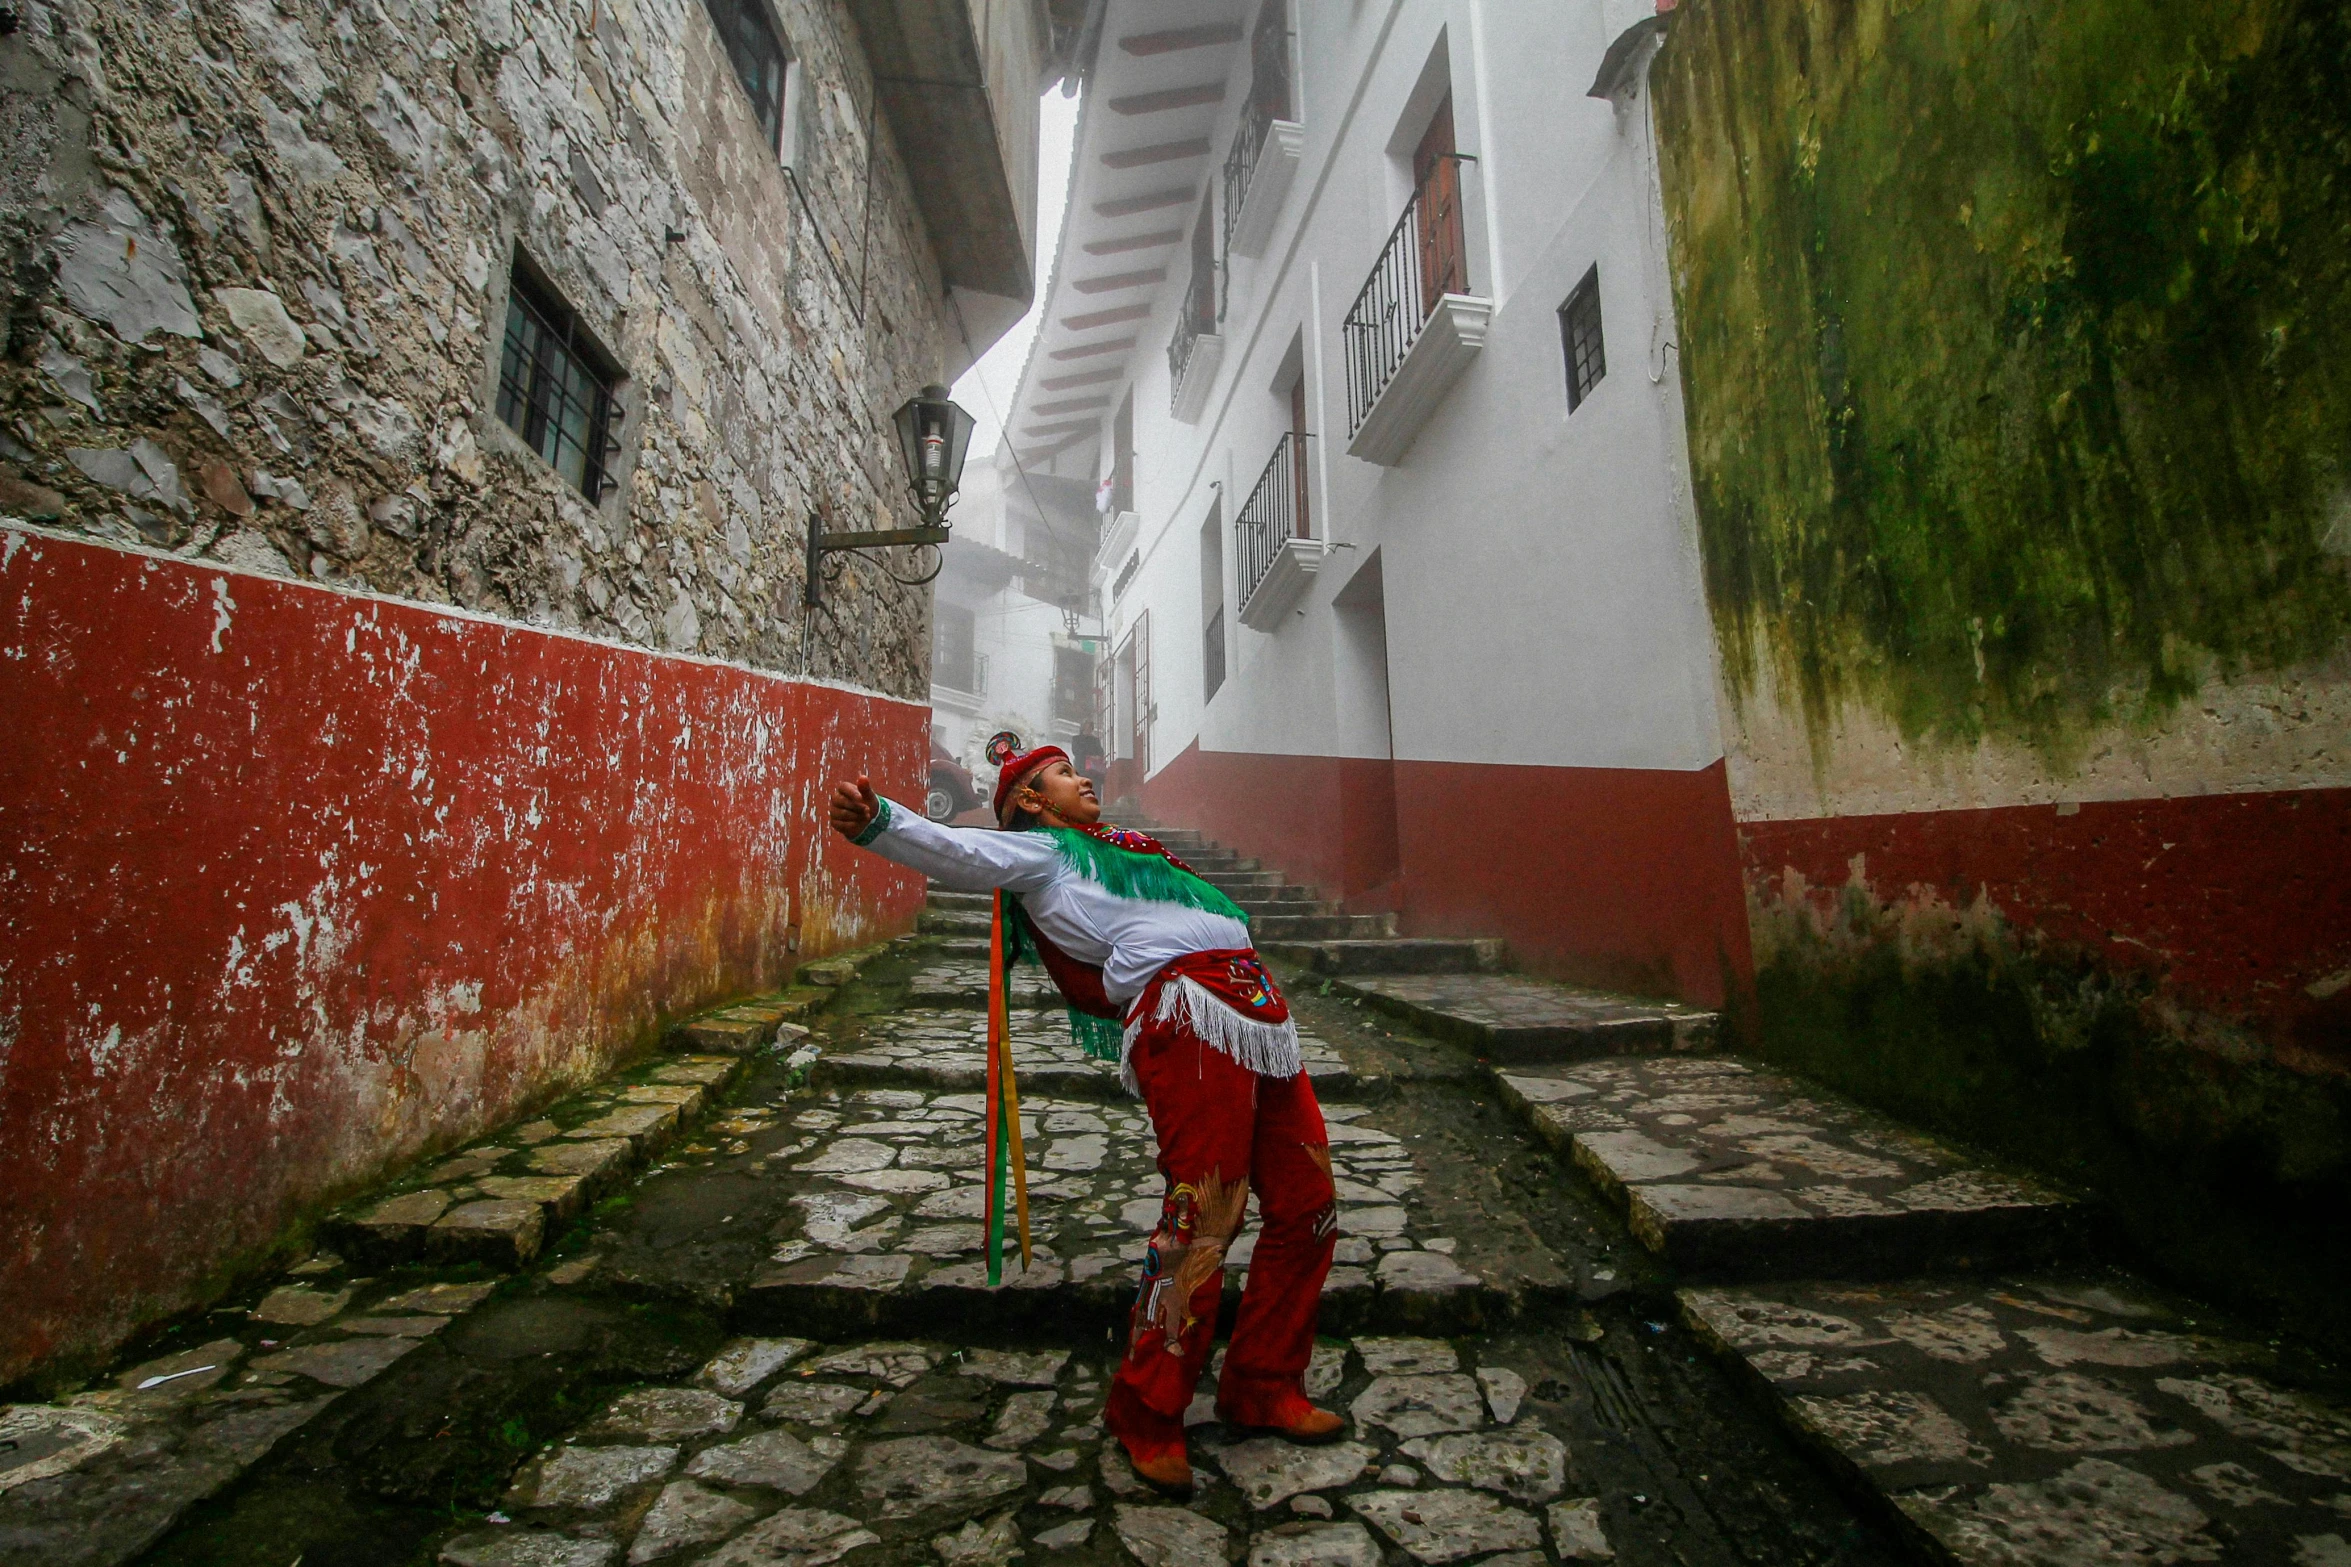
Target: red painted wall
(1623,878)
(301,883)
(2240,903)
(1282,809)
(1615,877)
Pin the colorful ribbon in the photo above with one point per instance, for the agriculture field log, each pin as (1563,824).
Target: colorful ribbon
(1005,1152)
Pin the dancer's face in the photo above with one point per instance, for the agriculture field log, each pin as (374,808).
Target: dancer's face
(1058,795)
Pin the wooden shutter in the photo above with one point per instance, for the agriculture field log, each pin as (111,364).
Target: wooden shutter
(1436,177)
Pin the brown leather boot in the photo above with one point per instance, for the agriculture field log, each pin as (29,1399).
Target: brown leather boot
(1165,1467)
(1291,1418)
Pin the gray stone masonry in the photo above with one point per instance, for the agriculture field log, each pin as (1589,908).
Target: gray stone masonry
(2060,1418)
(1730,1172)
(259,258)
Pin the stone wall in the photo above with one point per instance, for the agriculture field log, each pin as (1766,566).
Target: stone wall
(427,786)
(260,259)
(2014,343)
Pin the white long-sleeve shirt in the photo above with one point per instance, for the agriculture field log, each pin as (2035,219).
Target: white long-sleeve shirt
(1128,939)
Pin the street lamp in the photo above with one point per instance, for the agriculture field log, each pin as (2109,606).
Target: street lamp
(934,436)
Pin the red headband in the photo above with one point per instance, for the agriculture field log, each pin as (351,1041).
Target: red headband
(1018,767)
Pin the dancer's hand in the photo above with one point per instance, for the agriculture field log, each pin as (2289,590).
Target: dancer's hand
(854,806)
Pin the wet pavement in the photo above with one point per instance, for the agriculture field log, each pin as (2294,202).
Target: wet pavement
(740,1319)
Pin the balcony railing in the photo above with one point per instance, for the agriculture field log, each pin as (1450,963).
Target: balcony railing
(1420,263)
(1240,165)
(1196,318)
(1274,515)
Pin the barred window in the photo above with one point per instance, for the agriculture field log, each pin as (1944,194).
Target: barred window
(555,387)
(759,60)
(1579,335)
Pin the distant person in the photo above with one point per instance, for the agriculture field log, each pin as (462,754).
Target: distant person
(1131,933)
(1091,761)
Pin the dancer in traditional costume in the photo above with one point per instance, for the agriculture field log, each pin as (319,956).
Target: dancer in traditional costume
(1157,967)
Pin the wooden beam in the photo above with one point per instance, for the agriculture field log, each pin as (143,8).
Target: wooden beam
(1071,405)
(1101,318)
(1111,281)
(1157,152)
(1089,350)
(1180,38)
(1151,241)
(1062,383)
(1127,206)
(1169,98)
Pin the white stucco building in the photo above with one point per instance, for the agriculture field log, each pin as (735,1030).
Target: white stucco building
(1362,314)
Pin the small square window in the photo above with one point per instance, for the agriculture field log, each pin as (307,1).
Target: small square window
(759,60)
(1579,335)
(555,388)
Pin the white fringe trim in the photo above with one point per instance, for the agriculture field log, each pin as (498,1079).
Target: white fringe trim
(1269,1049)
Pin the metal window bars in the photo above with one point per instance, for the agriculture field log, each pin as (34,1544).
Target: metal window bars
(1198,316)
(553,394)
(1419,264)
(1240,165)
(1274,514)
(1269,100)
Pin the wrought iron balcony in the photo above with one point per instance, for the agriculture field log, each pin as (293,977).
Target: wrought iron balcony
(1271,550)
(1396,366)
(1196,350)
(1240,165)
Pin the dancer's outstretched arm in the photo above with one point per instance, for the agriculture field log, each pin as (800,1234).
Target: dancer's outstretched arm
(966,859)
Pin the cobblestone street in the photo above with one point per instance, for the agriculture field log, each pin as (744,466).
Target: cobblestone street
(769,1339)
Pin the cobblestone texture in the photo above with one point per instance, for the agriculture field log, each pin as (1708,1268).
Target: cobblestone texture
(686,1390)
(1729,1171)
(2062,1419)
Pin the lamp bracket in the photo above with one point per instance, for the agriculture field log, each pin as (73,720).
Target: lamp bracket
(822,544)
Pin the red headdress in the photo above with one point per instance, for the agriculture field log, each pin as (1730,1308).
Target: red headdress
(1013,766)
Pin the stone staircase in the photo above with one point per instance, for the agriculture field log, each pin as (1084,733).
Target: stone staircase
(1936,1332)
(1721,1170)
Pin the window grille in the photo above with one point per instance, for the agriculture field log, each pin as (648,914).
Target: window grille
(1579,336)
(555,388)
(758,57)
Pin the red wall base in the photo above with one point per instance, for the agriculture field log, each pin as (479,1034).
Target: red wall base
(301,884)
(1622,878)
(2236,903)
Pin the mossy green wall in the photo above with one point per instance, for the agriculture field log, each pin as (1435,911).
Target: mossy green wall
(2017,347)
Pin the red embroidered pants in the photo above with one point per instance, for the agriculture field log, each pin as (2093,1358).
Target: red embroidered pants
(1219,1121)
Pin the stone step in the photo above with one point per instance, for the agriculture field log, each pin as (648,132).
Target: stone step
(1236,881)
(1276,898)
(945,1051)
(1322,927)
(943,901)
(500,1201)
(751,1025)
(1731,1172)
(1508,1017)
(882,1188)
(2060,1417)
(963,982)
(958,922)
(1393,955)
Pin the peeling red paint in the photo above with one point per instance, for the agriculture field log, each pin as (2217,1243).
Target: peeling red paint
(2239,903)
(301,882)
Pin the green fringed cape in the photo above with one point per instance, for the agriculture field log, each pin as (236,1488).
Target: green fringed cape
(1139,874)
